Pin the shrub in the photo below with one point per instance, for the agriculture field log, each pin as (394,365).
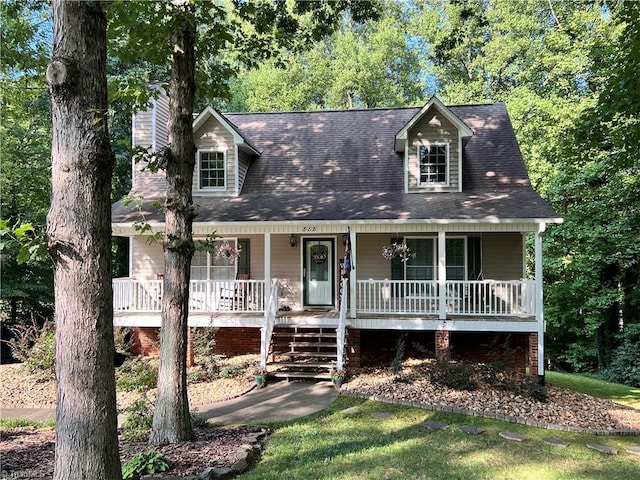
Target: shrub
(533,389)
(396,363)
(34,345)
(138,420)
(458,376)
(198,421)
(144,463)
(202,342)
(42,359)
(625,365)
(122,339)
(137,373)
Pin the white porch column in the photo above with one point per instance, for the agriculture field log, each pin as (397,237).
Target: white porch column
(267,267)
(539,300)
(353,281)
(442,275)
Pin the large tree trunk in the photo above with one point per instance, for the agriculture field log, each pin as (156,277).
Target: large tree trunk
(79,229)
(171,420)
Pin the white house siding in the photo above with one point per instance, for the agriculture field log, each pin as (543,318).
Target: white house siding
(435,128)
(286,266)
(243,167)
(370,263)
(143,128)
(212,136)
(147,261)
(150,130)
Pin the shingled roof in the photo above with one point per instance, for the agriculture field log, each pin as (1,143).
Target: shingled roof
(342,165)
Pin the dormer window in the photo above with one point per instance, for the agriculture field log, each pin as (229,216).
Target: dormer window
(211,170)
(433,161)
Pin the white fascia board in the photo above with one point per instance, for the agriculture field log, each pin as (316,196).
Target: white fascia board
(463,130)
(300,227)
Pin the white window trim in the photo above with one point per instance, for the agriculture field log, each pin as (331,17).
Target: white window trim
(466,254)
(446,183)
(436,254)
(226,173)
(210,256)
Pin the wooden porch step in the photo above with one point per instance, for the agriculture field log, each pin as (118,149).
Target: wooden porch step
(304,365)
(301,375)
(305,344)
(305,334)
(293,353)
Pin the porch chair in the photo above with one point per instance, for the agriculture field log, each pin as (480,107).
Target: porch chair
(235,298)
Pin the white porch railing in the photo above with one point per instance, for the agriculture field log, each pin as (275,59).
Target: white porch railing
(473,298)
(204,296)
(397,297)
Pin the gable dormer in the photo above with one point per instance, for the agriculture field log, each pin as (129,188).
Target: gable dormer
(432,143)
(223,155)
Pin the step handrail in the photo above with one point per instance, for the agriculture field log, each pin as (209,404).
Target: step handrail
(270,312)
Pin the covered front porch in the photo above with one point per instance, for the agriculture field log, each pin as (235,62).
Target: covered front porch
(222,300)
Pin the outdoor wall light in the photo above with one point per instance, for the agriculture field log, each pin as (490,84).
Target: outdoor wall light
(292,241)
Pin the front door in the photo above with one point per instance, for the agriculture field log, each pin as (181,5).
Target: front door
(318,272)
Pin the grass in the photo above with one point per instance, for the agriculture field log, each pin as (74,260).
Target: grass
(24,422)
(332,445)
(622,394)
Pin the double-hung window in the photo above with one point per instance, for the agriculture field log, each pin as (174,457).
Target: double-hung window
(433,161)
(204,265)
(211,168)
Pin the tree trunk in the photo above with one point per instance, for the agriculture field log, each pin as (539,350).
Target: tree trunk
(79,229)
(171,420)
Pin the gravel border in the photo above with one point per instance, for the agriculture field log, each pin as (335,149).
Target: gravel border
(492,416)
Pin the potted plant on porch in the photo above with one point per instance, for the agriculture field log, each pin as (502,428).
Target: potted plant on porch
(337,377)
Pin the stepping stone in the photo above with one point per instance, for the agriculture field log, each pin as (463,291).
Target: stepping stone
(558,442)
(513,436)
(632,450)
(603,448)
(383,415)
(431,425)
(471,430)
(350,410)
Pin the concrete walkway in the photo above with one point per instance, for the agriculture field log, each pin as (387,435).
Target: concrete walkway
(277,401)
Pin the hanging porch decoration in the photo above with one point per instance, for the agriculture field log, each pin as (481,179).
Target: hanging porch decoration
(398,249)
(319,253)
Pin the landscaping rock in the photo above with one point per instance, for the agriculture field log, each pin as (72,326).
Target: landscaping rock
(350,410)
(471,430)
(432,425)
(383,415)
(513,436)
(603,448)
(632,450)
(557,442)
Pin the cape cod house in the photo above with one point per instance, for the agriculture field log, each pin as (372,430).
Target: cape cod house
(355,229)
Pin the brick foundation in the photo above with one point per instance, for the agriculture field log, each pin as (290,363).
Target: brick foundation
(533,354)
(145,341)
(237,341)
(378,348)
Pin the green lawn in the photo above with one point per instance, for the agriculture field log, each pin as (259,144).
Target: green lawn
(597,388)
(335,445)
